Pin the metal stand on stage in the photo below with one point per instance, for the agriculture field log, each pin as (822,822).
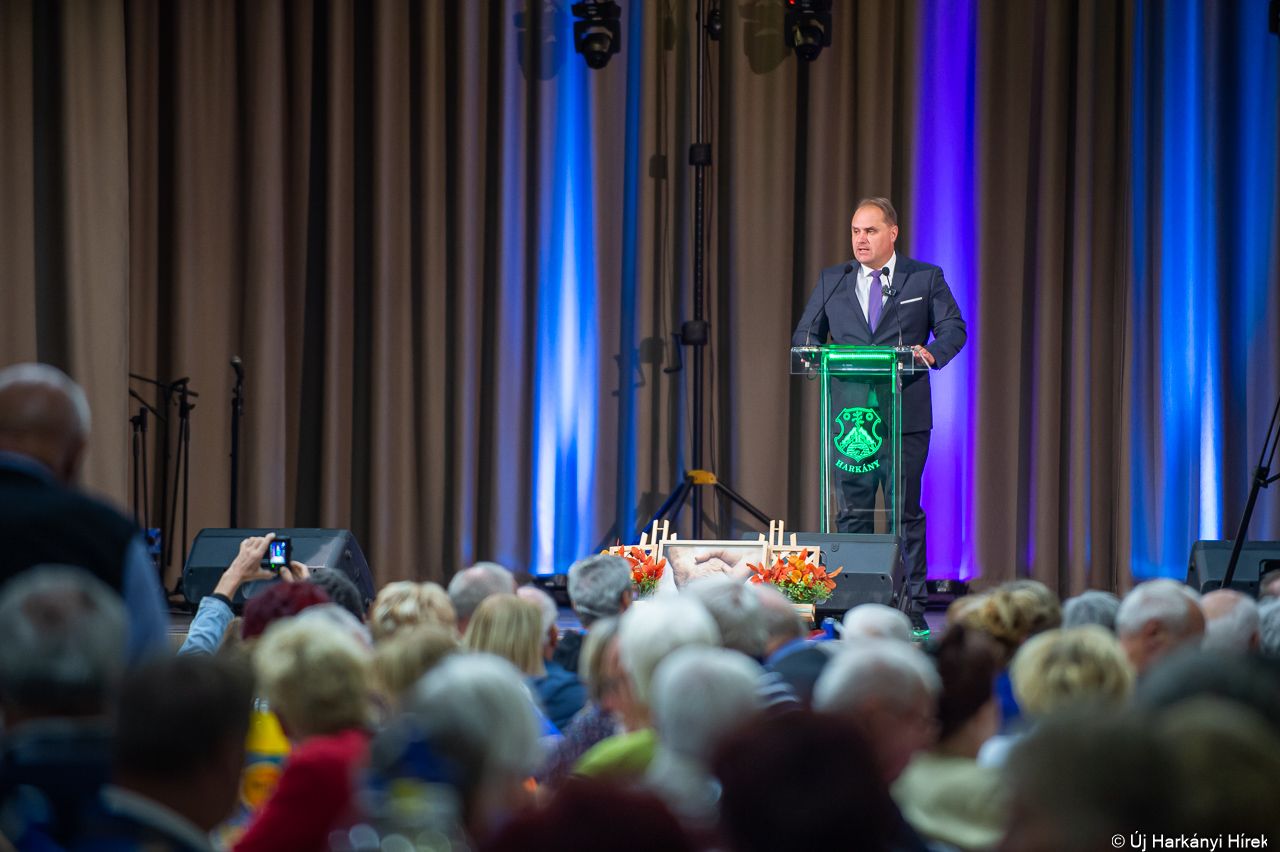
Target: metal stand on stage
(695,333)
(1261,479)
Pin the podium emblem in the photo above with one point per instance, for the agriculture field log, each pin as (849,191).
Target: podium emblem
(858,441)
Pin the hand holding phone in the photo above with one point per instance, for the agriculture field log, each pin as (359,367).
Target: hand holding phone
(279,555)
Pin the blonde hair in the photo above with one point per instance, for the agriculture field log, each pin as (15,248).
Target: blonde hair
(404,603)
(510,627)
(399,662)
(315,677)
(1059,667)
(1012,614)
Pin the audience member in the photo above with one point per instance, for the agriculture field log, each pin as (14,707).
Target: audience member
(646,635)
(404,604)
(44,520)
(889,690)
(787,782)
(1092,606)
(700,695)
(63,635)
(505,625)
(739,615)
(1269,585)
(944,793)
(1230,622)
(475,712)
(599,587)
(400,661)
(611,708)
(1157,618)
(208,630)
(1269,628)
(876,621)
(341,590)
(561,693)
(1192,673)
(587,816)
(179,749)
(468,588)
(316,680)
(789,652)
(278,601)
(1081,779)
(962,607)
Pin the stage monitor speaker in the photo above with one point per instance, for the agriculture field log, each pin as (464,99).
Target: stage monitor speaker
(214,550)
(1208,565)
(875,571)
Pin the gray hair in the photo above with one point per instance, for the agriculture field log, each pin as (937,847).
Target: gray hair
(1093,606)
(468,588)
(1235,629)
(51,377)
(1269,627)
(475,708)
(737,611)
(596,586)
(546,604)
(62,641)
(876,621)
(700,695)
(781,621)
(1162,599)
(885,669)
(651,630)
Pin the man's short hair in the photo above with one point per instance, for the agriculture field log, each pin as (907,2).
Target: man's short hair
(1234,630)
(876,621)
(49,376)
(701,694)
(885,669)
(1269,627)
(341,590)
(781,621)
(883,205)
(651,630)
(177,712)
(62,642)
(1093,606)
(545,603)
(737,611)
(468,588)
(1161,599)
(596,586)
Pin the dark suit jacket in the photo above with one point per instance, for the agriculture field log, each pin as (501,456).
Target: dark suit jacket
(923,304)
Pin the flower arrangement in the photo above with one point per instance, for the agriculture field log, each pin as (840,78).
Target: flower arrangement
(645,574)
(802,581)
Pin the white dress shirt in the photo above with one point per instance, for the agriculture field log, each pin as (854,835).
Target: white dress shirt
(864,281)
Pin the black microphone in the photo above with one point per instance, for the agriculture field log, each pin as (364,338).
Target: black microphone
(808,335)
(238,366)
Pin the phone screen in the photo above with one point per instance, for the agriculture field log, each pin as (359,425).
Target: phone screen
(278,553)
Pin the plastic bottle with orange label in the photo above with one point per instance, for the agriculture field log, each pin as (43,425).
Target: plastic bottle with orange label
(266,748)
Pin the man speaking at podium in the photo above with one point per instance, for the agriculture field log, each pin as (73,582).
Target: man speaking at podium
(884,299)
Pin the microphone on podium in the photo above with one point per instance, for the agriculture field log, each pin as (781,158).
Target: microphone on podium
(889,293)
(808,335)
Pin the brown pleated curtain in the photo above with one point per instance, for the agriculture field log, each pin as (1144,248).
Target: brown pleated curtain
(328,188)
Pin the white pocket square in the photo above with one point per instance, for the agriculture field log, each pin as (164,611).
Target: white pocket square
(909,301)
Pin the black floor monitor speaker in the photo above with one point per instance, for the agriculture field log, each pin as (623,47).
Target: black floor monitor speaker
(874,570)
(214,550)
(1208,565)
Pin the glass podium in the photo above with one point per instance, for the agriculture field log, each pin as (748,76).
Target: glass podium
(861,453)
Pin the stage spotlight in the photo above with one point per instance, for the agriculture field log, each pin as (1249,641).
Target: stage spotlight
(599,34)
(808,27)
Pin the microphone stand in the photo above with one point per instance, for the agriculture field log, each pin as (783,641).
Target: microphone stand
(237,411)
(1261,479)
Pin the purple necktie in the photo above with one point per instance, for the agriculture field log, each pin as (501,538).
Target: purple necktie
(873,299)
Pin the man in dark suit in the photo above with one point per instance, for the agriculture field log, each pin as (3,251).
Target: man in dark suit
(884,299)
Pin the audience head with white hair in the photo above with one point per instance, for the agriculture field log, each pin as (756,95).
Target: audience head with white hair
(876,621)
(700,696)
(477,714)
(649,632)
(44,415)
(889,690)
(469,588)
(547,606)
(62,645)
(599,587)
(782,624)
(1093,606)
(737,612)
(1230,622)
(1156,618)
(1269,627)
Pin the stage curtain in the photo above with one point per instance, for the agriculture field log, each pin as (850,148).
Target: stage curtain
(452,259)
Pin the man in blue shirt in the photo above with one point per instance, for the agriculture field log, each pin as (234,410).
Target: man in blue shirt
(44,431)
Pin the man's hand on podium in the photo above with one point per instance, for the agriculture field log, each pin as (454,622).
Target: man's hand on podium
(922,355)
